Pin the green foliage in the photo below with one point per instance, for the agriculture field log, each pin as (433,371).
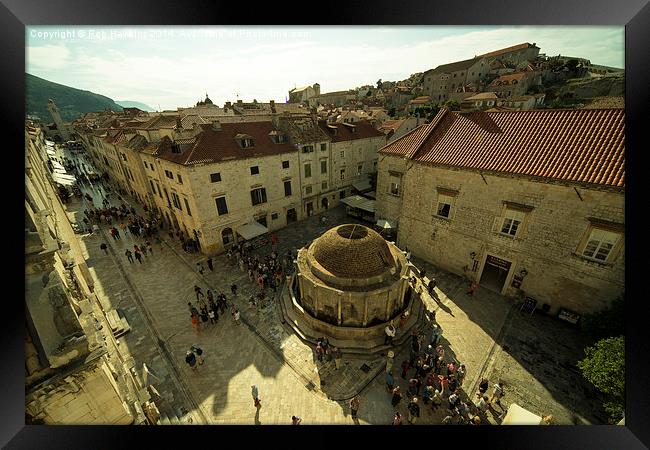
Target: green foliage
(71,102)
(605,323)
(604,367)
(391,112)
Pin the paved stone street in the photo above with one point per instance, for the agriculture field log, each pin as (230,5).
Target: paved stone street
(484,332)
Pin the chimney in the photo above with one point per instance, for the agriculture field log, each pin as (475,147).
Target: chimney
(240,102)
(216,125)
(229,104)
(272,103)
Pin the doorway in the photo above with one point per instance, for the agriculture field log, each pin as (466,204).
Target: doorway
(324,202)
(262,220)
(310,209)
(292,216)
(495,272)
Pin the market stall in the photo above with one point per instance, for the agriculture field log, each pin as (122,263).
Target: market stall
(360,207)
(253,235)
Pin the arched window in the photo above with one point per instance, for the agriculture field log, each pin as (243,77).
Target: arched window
(227,236)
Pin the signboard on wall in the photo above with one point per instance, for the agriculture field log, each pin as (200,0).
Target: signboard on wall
(498,262)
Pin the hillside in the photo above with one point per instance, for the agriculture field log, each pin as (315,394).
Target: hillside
(132,104)
(71,102)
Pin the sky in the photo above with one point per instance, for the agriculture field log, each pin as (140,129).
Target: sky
(172,67)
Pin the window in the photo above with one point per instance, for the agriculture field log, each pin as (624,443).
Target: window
(323,166)
(153,187)
(176,200)
(342,154)
(168,174)
(444,205)
(323,147)
(215,177)
(323,185)
(187,207)
(342,194)
(342,174)
(307,170)
(258,196)
(222,207)
(255,170)
(287,188)
(123,156)
(274,216)
(159,193)
(246,143)
(308,149)
(180,180)
(153,169)
(227,236)
(359,169)
(167,197)
(285,164)
(308,190)
(512,221)
(146,165)
(394,183)
(600,244)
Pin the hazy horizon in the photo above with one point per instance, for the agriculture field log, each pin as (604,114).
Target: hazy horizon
(170,67)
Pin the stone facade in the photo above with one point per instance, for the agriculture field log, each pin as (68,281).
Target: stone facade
(549,244)
(440,82)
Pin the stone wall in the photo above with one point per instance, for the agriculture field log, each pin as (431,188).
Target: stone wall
(547,244)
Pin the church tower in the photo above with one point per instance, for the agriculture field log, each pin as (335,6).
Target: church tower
(56,116)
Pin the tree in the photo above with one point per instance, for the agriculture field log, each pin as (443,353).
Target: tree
(604,367)
(606,323)
(391,112)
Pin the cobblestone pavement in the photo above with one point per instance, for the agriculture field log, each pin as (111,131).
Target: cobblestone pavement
(484,332)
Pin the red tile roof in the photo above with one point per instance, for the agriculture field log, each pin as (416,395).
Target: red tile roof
(362,130)
(508,50)
(509,78)
(213,146)
(577,145)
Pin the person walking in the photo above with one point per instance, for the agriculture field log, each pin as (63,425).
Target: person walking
(414,411)
(406,365)
(436,400)
(431,286)
(295,420)
(256,400)
(138,256)
(460,374)
(236,316)
(212,315)
(233,289)
(390,334)
(198,291)
(390,381)
(195,324)
(472,288)
(497,394)
(190,359)
(354,408)
(199,267)
(397,396)
(397,418)
(338,356)
(210,265)
(129,255)
(198,351)
(104,247)
(483,386)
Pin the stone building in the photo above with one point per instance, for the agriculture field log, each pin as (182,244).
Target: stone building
(348,285)
(524,202)
(515,55)
(304,93)
(354,155)
(514,84)
(338,98)
(438,83)
(395,129)
(68,377)
(62,129)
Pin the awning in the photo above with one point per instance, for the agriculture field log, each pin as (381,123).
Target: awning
(57,165)
(363,185)
(517,415)
(386,224)
(251,230)
(50,151)
(356,201)
(65,180)
(60,171)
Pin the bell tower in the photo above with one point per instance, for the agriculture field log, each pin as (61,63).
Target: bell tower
(56,116)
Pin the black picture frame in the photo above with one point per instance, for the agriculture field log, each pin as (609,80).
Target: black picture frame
(633,14)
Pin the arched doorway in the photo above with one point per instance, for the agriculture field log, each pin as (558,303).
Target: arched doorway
(227,237)
(325,202)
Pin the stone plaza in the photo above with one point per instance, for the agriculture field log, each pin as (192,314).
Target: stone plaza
(486,332)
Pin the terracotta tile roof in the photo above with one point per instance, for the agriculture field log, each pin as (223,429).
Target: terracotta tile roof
(213,146)
(453,67)
(483,96)
(509,78)
(392,124)
(508,50)
(161,121)
(606,102)
(405,143)
(420,100)
(577,145)
(302,130)
(362,130)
